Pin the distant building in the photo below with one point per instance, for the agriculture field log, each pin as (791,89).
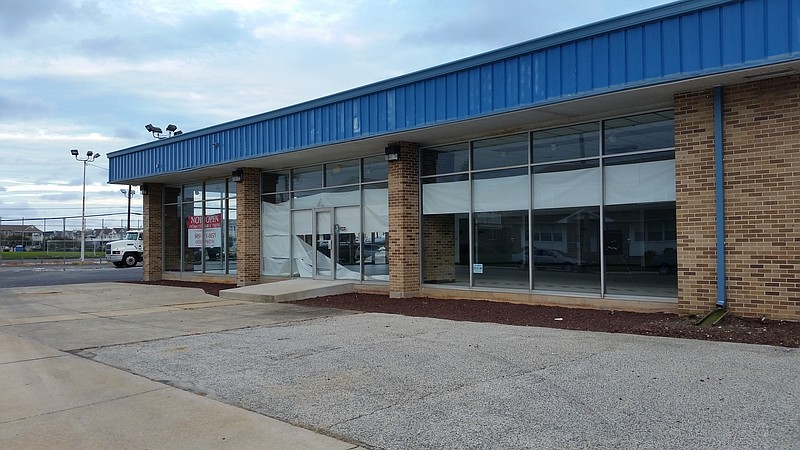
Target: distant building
(30,231)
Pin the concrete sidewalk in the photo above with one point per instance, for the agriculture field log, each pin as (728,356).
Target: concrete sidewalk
(53,399)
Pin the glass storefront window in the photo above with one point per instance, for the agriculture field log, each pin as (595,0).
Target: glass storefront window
(193,193)
(374,251)
(445,194)
(375,169)
(598,223)
(200,231)
(307,178)
(566,227)
(500,240)
(500,204)
(274,181)
(498,152)
(334,232)
(446,159)
(342,173)
(640,245)
(276,239)
(172,195)
(326,197)
(445,249)
(650,131)
(560,144)
(500,190)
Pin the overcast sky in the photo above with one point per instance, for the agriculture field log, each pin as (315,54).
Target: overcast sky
(89,74)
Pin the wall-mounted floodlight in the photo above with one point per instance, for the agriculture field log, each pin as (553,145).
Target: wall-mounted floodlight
(172,130)
(143,189)
(237,175)
(392,152)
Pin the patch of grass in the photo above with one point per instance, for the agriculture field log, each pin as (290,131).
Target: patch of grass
(16,256)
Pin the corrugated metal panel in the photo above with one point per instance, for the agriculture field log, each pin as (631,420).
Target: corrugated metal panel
(668,43)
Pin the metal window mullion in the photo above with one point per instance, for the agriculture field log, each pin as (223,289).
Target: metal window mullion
(602,211)
(530,228)
(470,217)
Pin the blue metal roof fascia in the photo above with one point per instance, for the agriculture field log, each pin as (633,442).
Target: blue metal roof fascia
(619,58)
(616,23)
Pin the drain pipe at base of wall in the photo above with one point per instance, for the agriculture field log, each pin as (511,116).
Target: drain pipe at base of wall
(720,197)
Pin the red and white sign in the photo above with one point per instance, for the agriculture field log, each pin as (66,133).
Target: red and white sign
(208,236)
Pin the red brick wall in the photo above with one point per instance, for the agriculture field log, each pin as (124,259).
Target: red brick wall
(153,233)
(762,199)
(404,213)
(248,228)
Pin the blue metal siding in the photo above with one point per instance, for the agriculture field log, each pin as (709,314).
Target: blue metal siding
(669,43)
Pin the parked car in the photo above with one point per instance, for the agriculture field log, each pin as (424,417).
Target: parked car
(373,253)
(666,263)
(211,254)
(549,258)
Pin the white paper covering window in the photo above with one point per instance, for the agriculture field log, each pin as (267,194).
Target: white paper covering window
(445,198)
(376,210)
(571,188)
(647,182)
(500,194)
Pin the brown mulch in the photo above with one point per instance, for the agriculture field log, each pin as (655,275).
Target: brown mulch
(731,329)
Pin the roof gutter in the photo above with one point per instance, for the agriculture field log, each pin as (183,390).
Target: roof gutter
(720,196)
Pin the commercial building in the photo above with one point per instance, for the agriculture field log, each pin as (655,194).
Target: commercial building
(647,162)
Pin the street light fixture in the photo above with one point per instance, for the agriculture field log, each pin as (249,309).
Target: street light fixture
(172,130)
(90,157)
(128,193)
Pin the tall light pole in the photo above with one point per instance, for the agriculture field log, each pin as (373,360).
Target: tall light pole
(90,157)
(128,193)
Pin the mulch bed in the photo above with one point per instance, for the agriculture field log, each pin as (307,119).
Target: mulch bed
(731,329)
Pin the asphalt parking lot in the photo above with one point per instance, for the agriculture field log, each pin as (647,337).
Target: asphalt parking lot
(383,381)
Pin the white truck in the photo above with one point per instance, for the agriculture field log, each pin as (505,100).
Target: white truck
(127,252)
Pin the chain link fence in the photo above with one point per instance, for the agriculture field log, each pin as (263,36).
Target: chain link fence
(58,239)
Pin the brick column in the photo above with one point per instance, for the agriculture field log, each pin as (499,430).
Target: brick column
(404,213)
(248,228)
(153,233)
(695,201)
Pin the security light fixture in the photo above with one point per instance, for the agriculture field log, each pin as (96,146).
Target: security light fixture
(128,193)
(237,175)
(90,157)
(172,130)
(143,189)
(393,152)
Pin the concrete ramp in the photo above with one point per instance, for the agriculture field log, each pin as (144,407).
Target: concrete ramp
(289,290)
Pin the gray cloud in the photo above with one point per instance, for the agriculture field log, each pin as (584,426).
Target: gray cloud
(158,40)
(16,17)
(13,107)
(61,197)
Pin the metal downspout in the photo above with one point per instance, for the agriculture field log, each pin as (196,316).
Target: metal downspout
(720,197)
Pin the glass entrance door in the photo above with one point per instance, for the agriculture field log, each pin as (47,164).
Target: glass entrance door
(326,247)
